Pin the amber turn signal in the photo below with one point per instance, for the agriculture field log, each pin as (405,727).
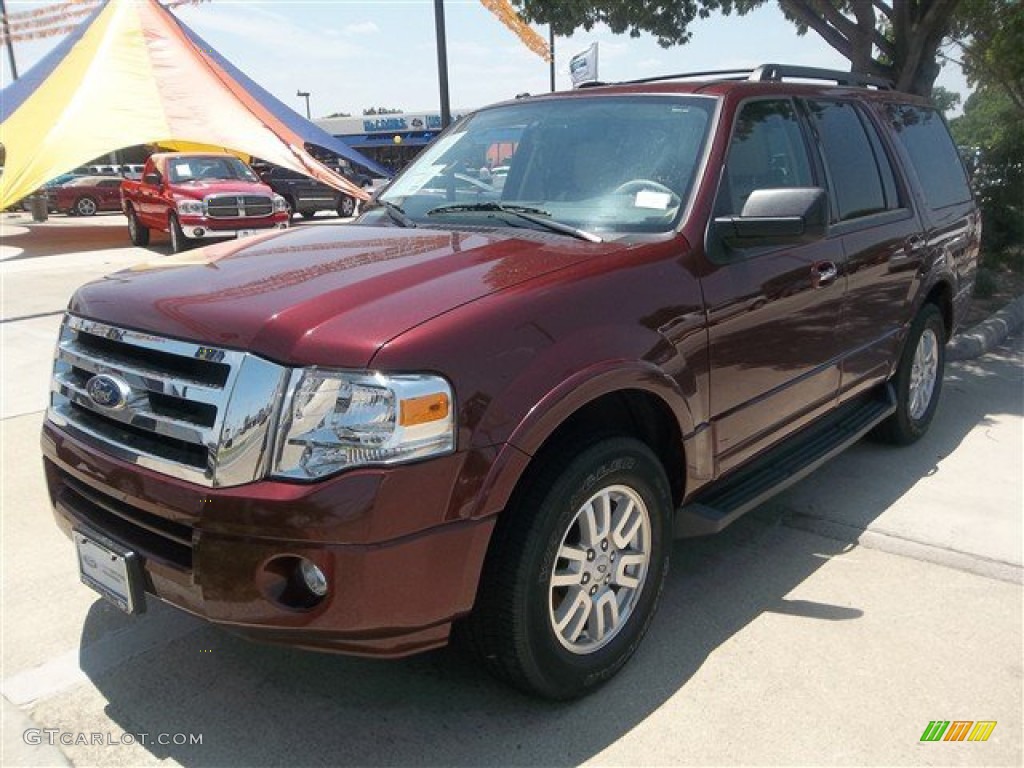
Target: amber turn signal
(423,410)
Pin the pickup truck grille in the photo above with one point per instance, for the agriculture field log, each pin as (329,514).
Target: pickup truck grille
(198,413)
(238,206)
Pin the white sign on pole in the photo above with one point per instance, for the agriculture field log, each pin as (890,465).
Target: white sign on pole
(583,67)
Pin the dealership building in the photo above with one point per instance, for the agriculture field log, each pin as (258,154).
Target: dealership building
(391,140)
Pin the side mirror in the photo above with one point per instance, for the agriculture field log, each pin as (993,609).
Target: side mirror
(152,178)
(788,215)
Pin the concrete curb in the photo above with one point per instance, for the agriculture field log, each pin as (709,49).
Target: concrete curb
(15,752)
(987,334)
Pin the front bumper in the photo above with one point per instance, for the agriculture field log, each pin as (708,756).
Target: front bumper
(400,567)
(202,228)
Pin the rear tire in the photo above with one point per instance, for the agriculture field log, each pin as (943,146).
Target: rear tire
(918,380)
(346,207)
(179,242)
(138,233)
(576,567)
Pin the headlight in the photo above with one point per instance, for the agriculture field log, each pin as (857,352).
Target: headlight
(280,204)
(191,207)
(334,420)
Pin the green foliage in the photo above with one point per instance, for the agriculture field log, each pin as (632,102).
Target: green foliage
(944,99)
(992,128)
(990,34)
(897,39)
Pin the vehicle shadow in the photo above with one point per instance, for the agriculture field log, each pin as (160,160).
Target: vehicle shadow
(65,235)
(259,705)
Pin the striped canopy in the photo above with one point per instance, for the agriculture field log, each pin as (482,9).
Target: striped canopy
(132,73)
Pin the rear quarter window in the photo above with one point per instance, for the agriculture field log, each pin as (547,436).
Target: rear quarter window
(924,136)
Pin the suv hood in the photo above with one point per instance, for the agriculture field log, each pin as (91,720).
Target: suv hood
(328,295)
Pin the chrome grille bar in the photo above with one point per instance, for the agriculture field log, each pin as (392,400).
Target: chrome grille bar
(197,413)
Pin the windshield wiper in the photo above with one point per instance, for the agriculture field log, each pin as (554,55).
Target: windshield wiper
(533,215)
(397,215)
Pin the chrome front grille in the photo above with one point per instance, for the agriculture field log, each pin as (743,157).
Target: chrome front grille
(194,412)
(238,206)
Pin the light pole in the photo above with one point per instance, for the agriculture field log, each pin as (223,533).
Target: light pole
(10,42)
(305,95)
(442,62)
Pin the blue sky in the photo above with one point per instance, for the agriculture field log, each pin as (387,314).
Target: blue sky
(352,54)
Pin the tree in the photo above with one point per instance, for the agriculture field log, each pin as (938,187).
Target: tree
(989,34)
(895,39)
(991,127)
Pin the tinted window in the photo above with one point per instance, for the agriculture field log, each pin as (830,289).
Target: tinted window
(767,152)
(851,162)
(923,134)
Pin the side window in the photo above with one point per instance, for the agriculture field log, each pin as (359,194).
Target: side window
(853,166)
(926,139)
(767,152)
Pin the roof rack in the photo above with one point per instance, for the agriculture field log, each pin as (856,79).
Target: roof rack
(772,73)
(776,72)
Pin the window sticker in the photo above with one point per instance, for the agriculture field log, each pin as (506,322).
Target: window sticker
(648,198)
(183,169)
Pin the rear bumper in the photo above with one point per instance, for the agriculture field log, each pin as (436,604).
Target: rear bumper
(212,552)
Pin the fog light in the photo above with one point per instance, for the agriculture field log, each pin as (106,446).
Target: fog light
(197,232)
(313,578)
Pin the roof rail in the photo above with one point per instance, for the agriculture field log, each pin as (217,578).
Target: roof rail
(770,72)
(765,73)
(720,74)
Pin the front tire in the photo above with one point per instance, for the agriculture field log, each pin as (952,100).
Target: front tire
(918,379)
(179,242)
(575,570)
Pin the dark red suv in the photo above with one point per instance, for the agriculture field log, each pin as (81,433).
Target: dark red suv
(494,408)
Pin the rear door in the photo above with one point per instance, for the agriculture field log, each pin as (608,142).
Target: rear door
(880,233)
(772,312)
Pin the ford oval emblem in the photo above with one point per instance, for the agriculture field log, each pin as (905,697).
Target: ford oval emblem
(108,391)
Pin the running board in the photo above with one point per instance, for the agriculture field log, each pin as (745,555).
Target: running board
(781,467)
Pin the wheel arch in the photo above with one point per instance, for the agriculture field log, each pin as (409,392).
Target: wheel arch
(638,401)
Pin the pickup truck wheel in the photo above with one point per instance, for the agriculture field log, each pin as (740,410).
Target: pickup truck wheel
(138,233)
(346,206)
(86,206)
(178,240)
(918,380)
(575,570)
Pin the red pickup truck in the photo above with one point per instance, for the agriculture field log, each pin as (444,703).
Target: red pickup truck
(198,197)
(493,407)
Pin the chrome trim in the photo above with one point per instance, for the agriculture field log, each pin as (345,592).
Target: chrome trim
(219,234)
(247,404)
(237,201)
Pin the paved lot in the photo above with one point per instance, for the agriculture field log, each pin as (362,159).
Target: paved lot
(828,627)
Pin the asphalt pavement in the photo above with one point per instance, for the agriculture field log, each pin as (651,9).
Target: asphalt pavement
(828,627)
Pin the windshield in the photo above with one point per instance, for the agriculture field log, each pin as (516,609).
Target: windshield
(604,165)
(182,169)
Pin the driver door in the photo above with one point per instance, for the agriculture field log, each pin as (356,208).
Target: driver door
(773,312)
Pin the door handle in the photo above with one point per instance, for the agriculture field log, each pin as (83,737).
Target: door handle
(823,273)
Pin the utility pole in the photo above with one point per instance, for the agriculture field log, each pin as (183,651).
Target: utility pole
(551,47)
(442,63)
(304,95)
(10,42)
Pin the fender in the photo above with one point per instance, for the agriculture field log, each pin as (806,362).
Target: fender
(552,410)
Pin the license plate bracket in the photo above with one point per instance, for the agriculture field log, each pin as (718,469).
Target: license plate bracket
(246,232)
(111,569)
